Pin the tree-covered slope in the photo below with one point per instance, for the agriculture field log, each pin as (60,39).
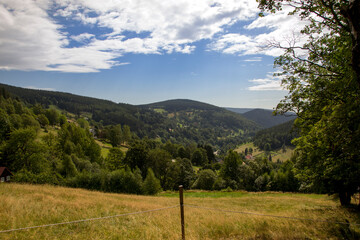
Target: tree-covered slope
(276,137)
(181,121)
(205,122)
(266,119)
(239,110)
(176,105)
(100,110)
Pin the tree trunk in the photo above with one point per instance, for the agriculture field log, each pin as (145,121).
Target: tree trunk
(353,17)
(345,198)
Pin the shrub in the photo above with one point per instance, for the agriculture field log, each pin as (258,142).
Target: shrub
(205,180)
(151,184)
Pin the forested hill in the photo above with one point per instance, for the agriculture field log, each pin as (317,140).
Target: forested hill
(181,105)
(276,137)
(205,122)
(239,110)
(202,114)
(105,111)
(182,121)
(265,117)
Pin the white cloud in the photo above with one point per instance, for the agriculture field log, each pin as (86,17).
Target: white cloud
(37,88)
(284,30)
(254,59)
(32,39)
(83,37)
(270,83)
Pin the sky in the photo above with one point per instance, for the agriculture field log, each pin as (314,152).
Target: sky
(145,51)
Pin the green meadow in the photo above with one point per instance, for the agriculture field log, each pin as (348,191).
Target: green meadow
(218,215)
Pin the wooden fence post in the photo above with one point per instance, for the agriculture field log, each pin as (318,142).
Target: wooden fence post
(182,212)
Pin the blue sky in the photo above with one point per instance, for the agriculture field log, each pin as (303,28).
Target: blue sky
(145,51)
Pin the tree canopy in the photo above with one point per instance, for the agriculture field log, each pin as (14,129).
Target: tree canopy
(323,79)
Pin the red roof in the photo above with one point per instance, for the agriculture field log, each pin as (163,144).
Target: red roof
(2,169)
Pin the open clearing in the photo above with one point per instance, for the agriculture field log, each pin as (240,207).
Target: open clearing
(276,155)
(32,205)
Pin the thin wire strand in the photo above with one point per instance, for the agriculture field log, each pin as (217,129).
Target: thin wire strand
(269,215)
(86,220)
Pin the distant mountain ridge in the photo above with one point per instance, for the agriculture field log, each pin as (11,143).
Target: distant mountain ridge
(181,105)
(266,119)
(276,137)
(239,110)
(181,120)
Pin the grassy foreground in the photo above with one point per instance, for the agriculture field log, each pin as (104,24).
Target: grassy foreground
(31,205)
(276,155)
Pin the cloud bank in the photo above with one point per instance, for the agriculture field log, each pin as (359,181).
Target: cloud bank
(270,83)
(90,35)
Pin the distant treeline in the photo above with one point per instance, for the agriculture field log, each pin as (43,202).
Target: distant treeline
(41,145)
(207,124)
(276,137)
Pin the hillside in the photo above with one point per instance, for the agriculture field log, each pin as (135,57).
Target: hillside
(265,117)
(239,110)
(181,121)
(176,105)
(33,205)
(205,121)
(276,137)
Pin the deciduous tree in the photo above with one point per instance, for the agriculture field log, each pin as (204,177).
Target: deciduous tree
(324,89)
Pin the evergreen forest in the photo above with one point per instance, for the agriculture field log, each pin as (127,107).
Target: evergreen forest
(43,144)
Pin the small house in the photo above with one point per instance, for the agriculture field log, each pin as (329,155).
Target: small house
(5,174)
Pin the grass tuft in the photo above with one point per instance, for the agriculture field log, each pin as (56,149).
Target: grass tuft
(30,205)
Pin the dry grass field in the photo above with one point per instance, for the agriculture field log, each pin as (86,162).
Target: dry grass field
(276,155)
(32,205)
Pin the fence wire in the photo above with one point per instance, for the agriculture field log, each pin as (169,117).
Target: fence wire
(186,205)
(87,220)
(274,216)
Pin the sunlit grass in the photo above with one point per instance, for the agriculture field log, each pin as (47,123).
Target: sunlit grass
(105,148)
(242,148)
(31,205)
(276,155)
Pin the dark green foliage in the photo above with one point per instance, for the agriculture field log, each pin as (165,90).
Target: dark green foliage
(199,157)
(266,118)
(78,141)
(209,153)
(124,181)
(324,89)
(5,125)
(151,184)
(183,122)
(186,172)
(68,167)
(115,135)
(179,172)
(136,157)
(205,180)
(275,137)
(29,121)
(159,160)
(67,154)
(62,120)
(41,178)
(182,153)
(92,181)
(53,116)
(171,148)
(42,119)
(114,159)
(126,137)
(21,151)
(219,184)
(83,123)
(230,170)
